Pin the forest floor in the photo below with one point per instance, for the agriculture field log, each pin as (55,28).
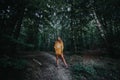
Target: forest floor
(42,66)
(39,66)
(94,65)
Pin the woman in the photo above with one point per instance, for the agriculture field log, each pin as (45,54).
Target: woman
(59,50)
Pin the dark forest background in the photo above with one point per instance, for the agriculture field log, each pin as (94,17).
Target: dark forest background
(82,24)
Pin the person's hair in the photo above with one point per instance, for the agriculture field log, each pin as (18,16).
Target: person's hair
(60,40)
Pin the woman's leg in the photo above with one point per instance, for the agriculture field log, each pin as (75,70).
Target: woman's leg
(63,59)
(57,60)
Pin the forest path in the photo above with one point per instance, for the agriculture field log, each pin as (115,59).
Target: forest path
(42,66)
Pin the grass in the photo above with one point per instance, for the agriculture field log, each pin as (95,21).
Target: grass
(101,69)
(12,68)
(17,63)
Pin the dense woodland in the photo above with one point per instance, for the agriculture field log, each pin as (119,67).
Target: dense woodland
(82,24)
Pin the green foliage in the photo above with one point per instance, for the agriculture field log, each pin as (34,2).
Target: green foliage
(7,62)
(12,41)
(36,24)
(80,68)
(92,72)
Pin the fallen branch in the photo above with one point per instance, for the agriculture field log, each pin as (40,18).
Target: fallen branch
(37,62)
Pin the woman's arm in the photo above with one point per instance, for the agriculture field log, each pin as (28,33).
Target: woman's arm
(62,45)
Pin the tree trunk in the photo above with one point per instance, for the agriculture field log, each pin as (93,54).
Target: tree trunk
(99,27)
(102,33)
(18,24)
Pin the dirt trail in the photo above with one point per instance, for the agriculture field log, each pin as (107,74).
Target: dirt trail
(43,67)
